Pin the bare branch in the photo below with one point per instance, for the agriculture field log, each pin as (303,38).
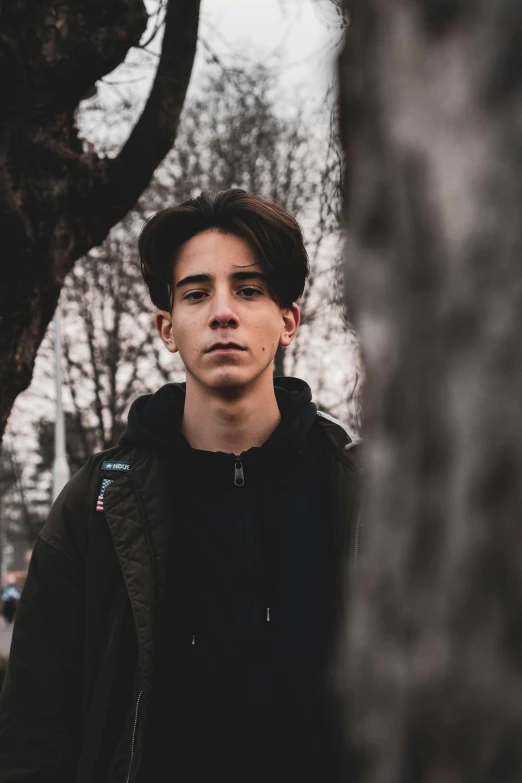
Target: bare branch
(155,131)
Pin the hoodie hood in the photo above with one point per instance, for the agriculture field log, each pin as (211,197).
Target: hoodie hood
(154,421)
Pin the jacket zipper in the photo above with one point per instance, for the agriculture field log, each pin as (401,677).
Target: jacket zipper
(134,736)
(239,476)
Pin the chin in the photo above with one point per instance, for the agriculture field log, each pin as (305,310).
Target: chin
(228,378)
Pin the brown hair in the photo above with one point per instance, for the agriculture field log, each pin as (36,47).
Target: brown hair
(271,231)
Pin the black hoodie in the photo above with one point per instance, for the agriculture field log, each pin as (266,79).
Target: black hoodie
(248,623)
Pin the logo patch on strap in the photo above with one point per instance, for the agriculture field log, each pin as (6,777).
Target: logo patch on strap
(124,466)
(99,502)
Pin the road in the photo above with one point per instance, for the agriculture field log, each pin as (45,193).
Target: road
(5,637)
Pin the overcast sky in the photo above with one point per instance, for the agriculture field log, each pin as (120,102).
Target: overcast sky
(298,38)
(301,33)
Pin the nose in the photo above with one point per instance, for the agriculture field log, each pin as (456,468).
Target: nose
(223,312)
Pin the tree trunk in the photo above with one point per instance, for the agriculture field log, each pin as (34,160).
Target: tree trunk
(431,114)
(56,199)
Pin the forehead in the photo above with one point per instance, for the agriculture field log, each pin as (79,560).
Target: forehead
(214,252)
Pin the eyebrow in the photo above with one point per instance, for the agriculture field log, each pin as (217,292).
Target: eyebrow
(209,278)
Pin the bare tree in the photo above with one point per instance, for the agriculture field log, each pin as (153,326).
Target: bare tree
(232,135)
(111,351)
(431,108)
(58,198)
(21,513)
(111,354)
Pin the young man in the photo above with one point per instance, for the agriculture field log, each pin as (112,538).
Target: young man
(181,616)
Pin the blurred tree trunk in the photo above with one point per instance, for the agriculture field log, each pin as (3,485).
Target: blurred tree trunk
(431,114)
(58,198)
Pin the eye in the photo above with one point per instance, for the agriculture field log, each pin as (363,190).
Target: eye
(250,293)
(195,296)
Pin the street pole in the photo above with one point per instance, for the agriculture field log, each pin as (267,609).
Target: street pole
(61,470)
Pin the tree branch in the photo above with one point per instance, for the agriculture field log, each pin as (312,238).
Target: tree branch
(153,135)
(54,53)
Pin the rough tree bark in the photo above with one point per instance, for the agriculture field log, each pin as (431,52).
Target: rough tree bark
(431,107)
(57,197)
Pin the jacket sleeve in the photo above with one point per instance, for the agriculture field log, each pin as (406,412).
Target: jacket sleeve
(41,700)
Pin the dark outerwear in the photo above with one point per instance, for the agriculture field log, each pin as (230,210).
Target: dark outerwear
(77,693)
(252,606)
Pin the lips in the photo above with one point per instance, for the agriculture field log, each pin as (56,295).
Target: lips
(225,347)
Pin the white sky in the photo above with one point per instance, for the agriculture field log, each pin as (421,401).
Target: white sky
(298,39)
(301,33)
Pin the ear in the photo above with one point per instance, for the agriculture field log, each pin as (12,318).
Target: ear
(291,320)
(164,326)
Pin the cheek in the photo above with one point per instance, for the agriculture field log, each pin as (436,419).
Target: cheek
(182,335)
(268,337)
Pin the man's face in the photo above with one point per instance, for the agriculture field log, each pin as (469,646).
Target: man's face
(224,323)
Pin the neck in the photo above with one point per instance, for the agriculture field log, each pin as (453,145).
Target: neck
(231,423)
